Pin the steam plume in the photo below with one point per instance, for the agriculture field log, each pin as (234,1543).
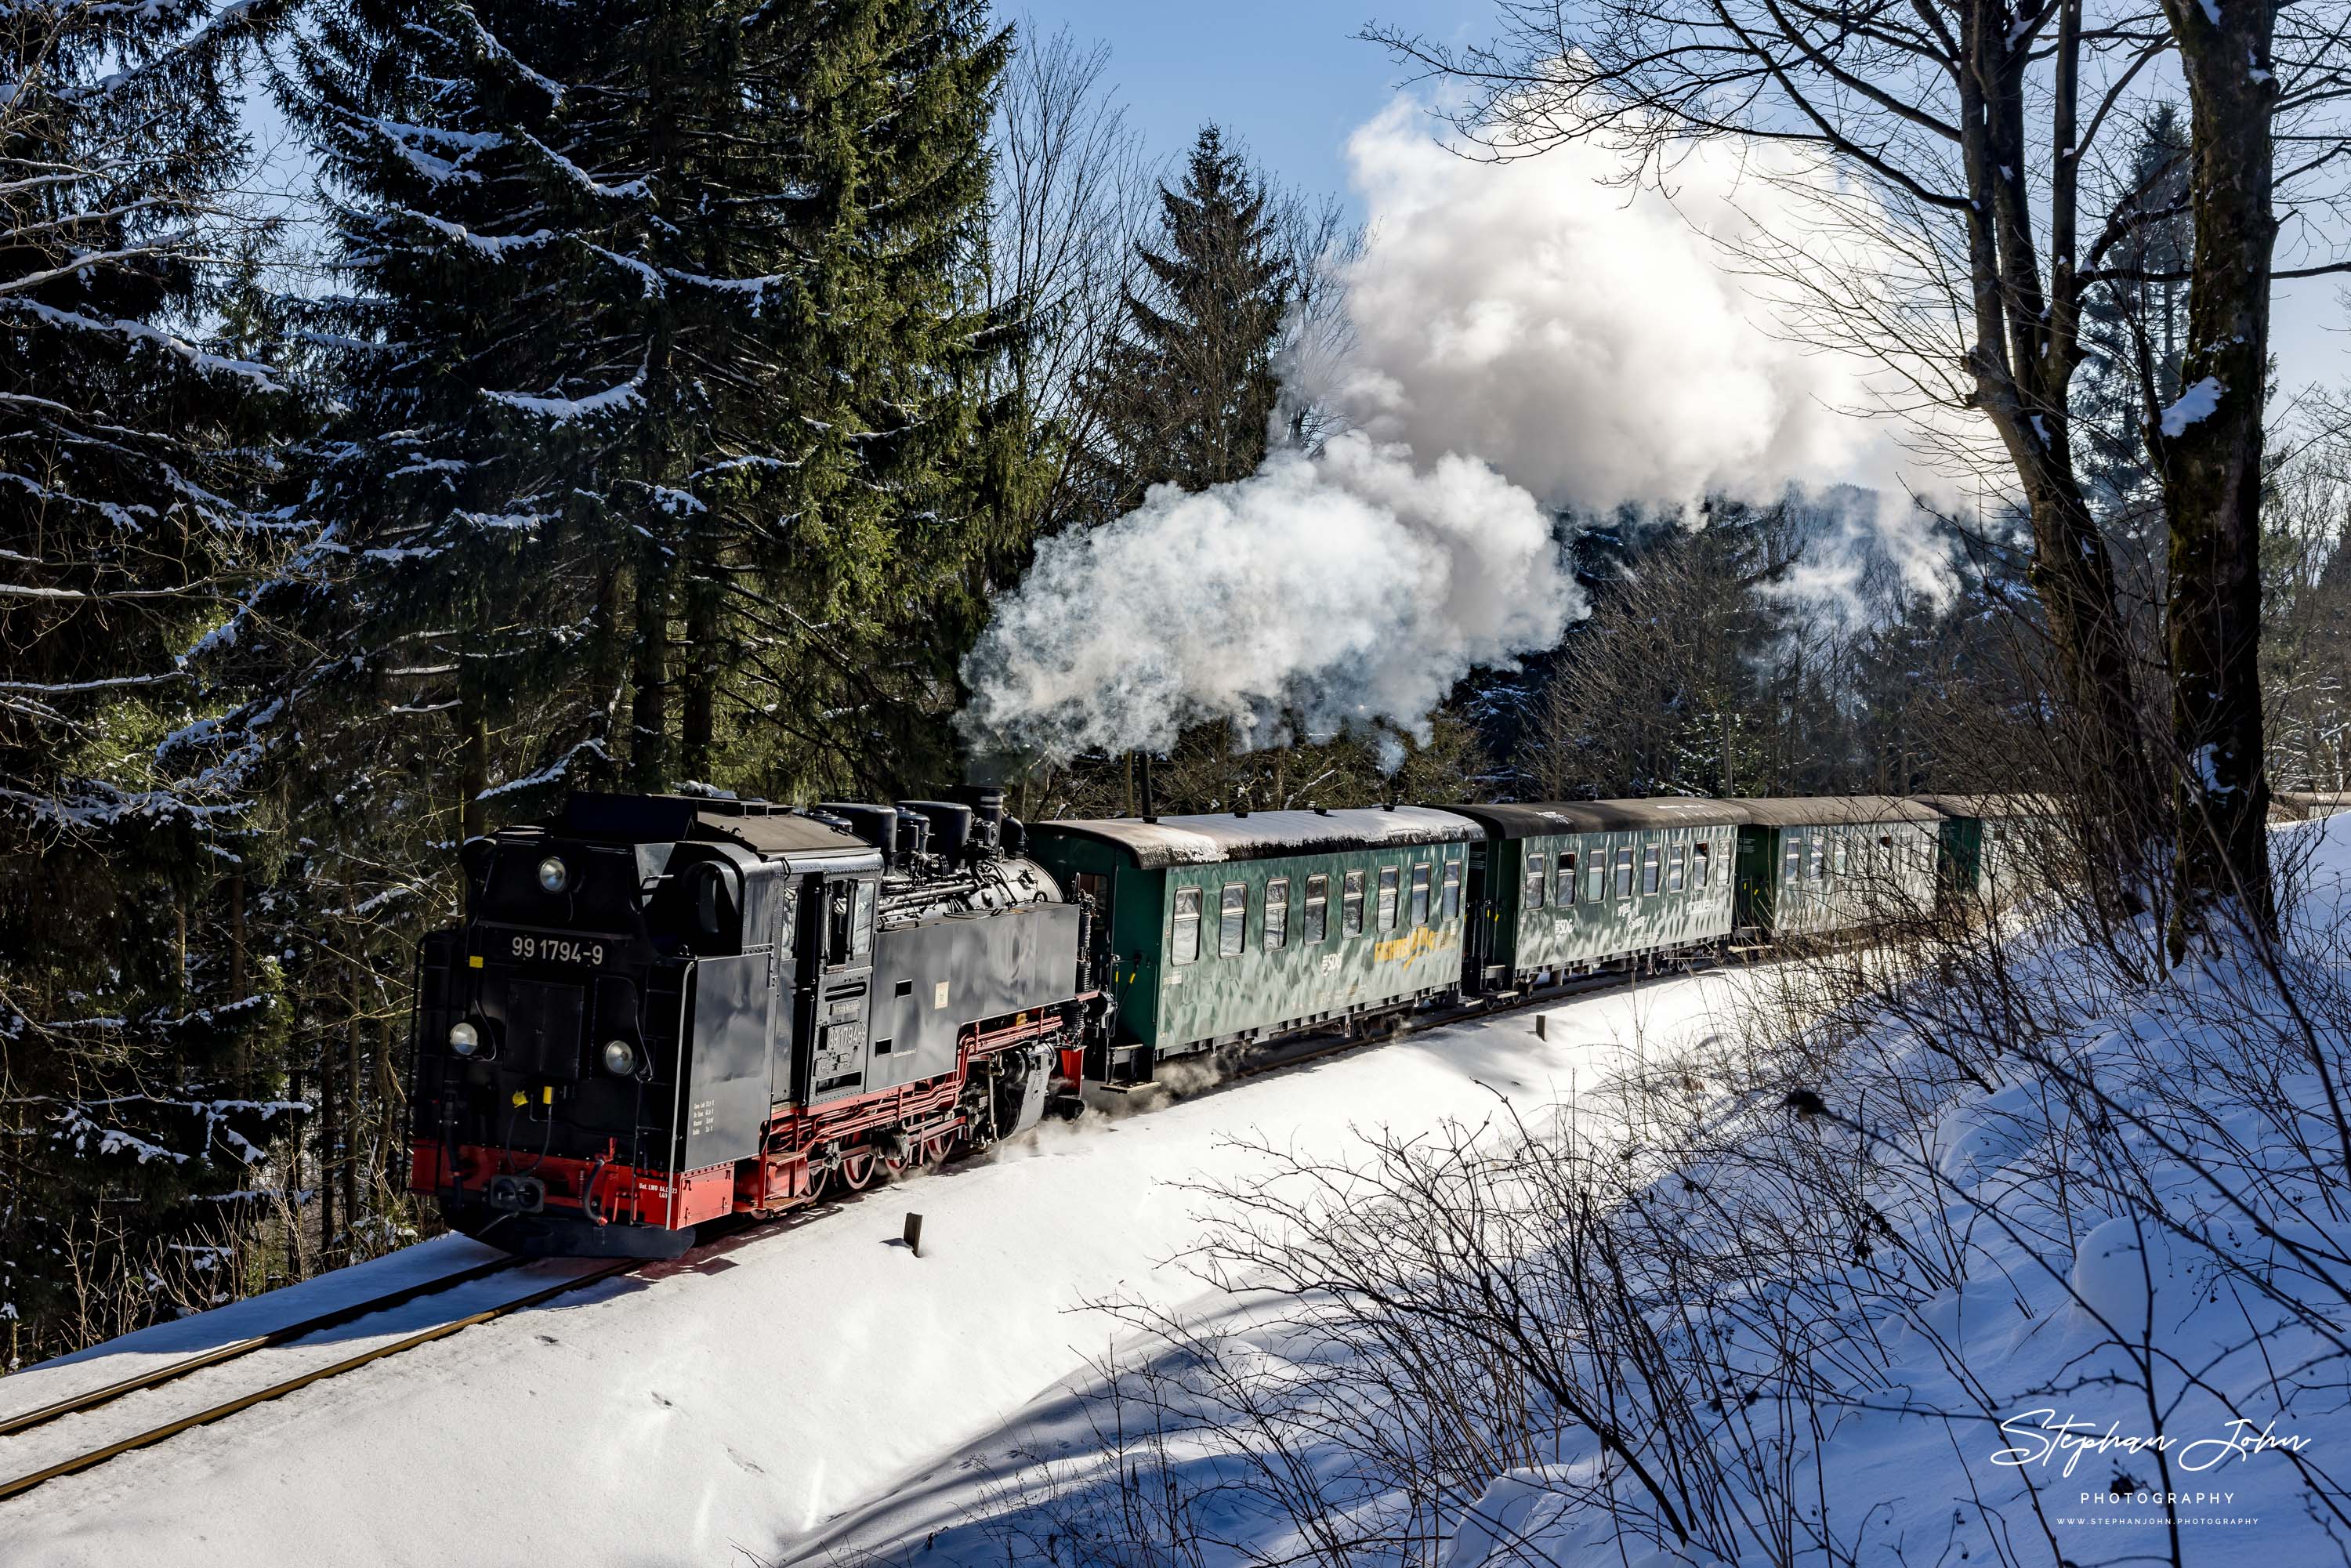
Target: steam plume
(1521,338)
(1354,586)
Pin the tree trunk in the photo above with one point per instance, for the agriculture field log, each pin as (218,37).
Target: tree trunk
(649,711)
(698,704)
(2074,576)
(2208,449)
(352,1120)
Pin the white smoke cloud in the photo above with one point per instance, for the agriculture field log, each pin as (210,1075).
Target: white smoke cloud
(1521,338)
(1588,340)
(1352,587)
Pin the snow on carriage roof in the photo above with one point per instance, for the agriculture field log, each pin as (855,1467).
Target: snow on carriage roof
(1518,820)
(1833,810)
(1992,807)
(1207,840)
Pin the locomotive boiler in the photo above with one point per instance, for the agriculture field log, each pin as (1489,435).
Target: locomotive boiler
(664,1009)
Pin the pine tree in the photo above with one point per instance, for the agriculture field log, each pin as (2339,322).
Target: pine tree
(660,356)
(133,442)
(1188,395)
(660,464)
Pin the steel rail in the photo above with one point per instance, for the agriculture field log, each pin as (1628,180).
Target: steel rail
(74,1404)
(18,1485)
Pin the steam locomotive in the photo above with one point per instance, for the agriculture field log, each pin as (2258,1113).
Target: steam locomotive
(665,1010)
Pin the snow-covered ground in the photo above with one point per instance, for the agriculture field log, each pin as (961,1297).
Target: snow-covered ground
(749,1403)
(2136,1225)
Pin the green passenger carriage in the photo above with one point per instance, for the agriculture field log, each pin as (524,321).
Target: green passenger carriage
(1821,867)
(1566,887)
(1223,929)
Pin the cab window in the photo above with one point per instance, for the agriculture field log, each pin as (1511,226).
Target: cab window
(1185,930)
(1232,920)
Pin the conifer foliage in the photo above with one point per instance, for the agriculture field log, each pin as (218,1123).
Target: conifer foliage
(1188,394)
(659,352)
(132,443)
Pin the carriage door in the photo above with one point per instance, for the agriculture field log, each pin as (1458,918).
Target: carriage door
(846,979)
(1478,934)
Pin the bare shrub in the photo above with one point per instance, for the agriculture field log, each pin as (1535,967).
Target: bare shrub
(1988,1165)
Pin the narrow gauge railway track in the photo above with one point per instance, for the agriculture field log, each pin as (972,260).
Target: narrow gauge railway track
(1257,1064)
(155,1377)
(17,1485)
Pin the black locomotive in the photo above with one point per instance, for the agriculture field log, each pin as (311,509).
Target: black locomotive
(665,1008)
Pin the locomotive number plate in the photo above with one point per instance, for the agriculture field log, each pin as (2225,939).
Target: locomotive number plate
(546,948)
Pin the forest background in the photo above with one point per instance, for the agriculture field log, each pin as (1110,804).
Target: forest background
(655,397)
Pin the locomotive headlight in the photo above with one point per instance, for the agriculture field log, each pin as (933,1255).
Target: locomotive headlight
(553,874)
(464,1039)
(619,1058)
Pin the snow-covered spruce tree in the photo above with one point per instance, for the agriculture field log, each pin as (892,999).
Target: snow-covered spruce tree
(657,460)
(657,346)
(131,443)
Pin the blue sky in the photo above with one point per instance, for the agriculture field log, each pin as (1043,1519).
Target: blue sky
(1287,74)
(1290,78)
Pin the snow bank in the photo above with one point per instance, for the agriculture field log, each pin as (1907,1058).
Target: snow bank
(740,1402)
(2047,1311)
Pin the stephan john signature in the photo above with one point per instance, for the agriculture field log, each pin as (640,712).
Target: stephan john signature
(2044,1438)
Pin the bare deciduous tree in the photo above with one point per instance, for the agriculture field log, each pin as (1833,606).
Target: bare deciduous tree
(1969,178)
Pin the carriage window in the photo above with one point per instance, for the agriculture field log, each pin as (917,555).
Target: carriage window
(1186,931)
(1534,895)
(1563,882)
(1232,920)
(1698,866)
(1649,869)
(1452,890)
(1318,909)
(1276,914)
(1351,904)
(1814,857)
(1420,893)
(1595,879)
(1625,872)
(1389,876)
(1792,864)
(1841,861)
(1885,853)
(1673,869)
